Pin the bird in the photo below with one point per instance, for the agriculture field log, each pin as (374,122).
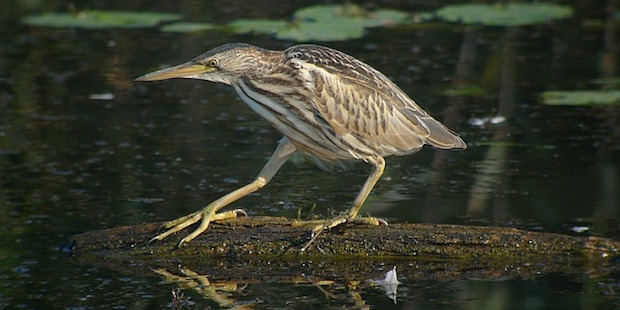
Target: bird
(328,105)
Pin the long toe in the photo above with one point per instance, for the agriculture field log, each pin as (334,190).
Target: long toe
(206,215)
(177,225)
(228,214)
(374,221)
(329,224)
(193,217)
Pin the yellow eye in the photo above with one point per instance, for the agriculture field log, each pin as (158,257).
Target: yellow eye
(213,62)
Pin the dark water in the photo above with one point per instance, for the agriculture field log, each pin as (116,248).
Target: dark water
(71,163)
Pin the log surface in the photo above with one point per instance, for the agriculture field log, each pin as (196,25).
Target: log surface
(259,247)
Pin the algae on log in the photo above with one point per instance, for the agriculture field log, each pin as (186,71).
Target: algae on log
(256,247)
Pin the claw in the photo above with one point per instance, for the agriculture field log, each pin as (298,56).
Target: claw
(240,211)
(151,241)
(329,224)
(206,216)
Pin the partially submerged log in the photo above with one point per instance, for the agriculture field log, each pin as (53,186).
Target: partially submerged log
(268,247)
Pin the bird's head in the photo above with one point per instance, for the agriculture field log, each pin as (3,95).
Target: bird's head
(224,64)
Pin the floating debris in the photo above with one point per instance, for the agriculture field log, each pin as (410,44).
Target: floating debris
(389,284)
(580,229)
(482,121)
(102,96)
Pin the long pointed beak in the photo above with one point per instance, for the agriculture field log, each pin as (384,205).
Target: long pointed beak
(188,70)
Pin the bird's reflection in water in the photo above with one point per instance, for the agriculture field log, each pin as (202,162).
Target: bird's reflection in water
(223,293)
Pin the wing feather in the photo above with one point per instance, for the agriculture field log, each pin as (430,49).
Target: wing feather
(365,108)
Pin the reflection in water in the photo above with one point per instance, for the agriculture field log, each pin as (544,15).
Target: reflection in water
(218,292)
(491,177)
(226,293)
(609,172)
(389,284)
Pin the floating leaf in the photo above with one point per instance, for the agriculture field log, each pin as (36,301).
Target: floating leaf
(328,12)
(386,17)
(258,26)
(100,19)
(325,31)
(322,23)
(511,14)
(337,22)
(102,96)
(187,27)
(581,97)
(350,14)
(423,17)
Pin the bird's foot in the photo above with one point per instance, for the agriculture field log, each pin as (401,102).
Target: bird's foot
(331,223)
(207,215)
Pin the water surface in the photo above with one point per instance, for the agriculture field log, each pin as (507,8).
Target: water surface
(71,162)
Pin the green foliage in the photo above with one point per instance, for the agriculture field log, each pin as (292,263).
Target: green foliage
(322,23)
(314,23)
(511,14)
(350,14)
(334,31)
(258,26)
(581,97)
(187,27)
(100,19)
(333,22)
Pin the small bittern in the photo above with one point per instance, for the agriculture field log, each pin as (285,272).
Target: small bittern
(330,107)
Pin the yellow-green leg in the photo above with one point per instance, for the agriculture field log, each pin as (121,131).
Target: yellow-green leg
(351,215)
(209,213)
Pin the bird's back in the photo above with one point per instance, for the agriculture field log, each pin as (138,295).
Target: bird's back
(367,111)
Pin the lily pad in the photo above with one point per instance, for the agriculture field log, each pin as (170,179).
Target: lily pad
(258,26)
(511,14)
(187,27)
(581,97)
(100,19)
(324,31)
(323,23)
(350,14)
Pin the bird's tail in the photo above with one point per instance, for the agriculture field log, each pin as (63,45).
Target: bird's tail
(442,137)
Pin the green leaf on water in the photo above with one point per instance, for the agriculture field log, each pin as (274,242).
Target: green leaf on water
(185,27)
(324,31)
(258,26)
(511,14)
(581,97)
(322,23)
(350,14)
(387,17)
(100,19)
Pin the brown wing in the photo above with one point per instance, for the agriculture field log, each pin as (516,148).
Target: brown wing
(364,107)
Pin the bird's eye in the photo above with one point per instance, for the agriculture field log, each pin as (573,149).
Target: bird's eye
(213,62)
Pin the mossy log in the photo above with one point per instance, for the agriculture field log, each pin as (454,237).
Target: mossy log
(258,246)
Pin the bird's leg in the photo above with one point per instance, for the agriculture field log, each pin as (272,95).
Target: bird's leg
(209,213)
(351,215)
